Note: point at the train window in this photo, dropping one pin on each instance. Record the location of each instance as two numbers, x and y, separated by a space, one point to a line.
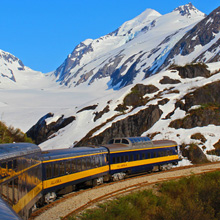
96 161
122 159
3 170
9 164
11 191
137 156
126 158
48 171
106 158
68 167
131 157
118 159
15 165
143 156
56 169
92 161
88 163
5 190
83 163
124 141
111 141
62 168
155 154
117 141
15 190
101 159
73 166
113 160
169 152
3 165
78 162
148 155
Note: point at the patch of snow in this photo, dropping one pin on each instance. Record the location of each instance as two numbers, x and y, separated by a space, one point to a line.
195 107
52 119
184 162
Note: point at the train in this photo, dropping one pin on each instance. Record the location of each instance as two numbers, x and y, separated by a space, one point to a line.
30 177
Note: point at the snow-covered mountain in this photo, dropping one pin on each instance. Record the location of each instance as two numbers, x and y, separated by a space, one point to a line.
13 74
132 52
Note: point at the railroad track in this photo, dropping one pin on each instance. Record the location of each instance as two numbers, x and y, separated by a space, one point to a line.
76 202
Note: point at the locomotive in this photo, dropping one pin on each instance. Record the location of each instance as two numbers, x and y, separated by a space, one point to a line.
29 176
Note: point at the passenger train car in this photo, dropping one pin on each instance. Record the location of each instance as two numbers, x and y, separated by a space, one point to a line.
65 169
29 176
20 176
137 154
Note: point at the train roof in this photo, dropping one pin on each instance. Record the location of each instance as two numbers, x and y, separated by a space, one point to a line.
164 143
6 212
17 149
133 143
71 152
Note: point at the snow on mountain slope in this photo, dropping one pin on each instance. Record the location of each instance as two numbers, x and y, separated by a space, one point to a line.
200 44
170 92
25 94
133 50
94 50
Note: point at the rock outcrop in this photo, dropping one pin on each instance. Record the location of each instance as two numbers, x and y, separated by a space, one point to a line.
207 97
42 131
133 125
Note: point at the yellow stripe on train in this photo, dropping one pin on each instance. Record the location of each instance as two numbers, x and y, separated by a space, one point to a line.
75 176
73 157
27 198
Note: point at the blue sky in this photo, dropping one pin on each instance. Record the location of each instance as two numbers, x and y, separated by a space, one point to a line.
43 32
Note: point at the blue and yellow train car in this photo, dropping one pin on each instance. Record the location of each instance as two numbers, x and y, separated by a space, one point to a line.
138 154
20 176
64 169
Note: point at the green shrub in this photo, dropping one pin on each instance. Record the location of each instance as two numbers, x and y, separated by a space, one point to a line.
10 134
194 197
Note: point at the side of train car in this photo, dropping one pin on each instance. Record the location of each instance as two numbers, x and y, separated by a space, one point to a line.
138 154
65 169
36 176
20 176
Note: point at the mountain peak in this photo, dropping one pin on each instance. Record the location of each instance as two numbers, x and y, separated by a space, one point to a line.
188 10
9 58
144 18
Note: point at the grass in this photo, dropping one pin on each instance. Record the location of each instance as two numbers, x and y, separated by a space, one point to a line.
194 197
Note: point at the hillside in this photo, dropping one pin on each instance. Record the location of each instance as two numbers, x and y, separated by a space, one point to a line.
181 104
